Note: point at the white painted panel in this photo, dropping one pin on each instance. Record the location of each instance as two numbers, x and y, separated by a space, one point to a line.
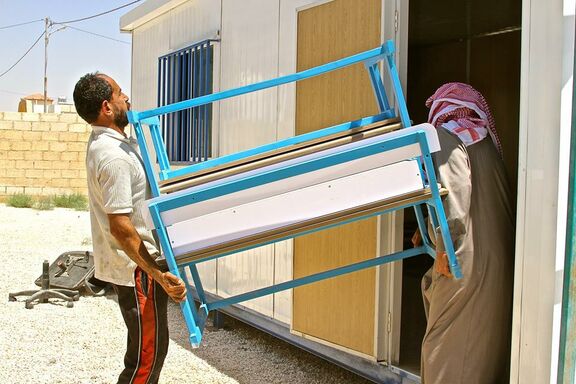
149 10
148 43
282 273
247 271
194 21
278 211
545 95
184 25
249 54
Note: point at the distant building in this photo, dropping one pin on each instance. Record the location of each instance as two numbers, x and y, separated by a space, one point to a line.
35 103
64 106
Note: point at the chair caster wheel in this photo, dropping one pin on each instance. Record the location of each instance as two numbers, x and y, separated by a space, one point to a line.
28 305
11 298
76 297
70 304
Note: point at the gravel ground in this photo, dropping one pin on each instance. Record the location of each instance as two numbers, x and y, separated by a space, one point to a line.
85 344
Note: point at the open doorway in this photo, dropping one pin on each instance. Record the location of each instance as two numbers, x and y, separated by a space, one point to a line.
471 41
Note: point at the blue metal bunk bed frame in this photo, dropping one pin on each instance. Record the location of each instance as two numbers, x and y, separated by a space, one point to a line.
195 318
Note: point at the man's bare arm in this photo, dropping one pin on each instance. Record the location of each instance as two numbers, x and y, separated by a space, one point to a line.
124 232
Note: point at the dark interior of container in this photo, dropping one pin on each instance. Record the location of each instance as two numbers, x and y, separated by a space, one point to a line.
475 42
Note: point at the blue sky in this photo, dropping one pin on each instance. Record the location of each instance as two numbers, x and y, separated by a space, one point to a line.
71 53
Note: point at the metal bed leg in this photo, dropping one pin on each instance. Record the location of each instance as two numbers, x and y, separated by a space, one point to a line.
440 215
193 319
203 309
202 313
197 283
393 72
422 226
378 87
194 322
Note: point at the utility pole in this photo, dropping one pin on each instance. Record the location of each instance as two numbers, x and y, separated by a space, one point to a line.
46 26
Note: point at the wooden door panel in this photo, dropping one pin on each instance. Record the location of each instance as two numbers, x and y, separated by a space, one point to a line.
339 310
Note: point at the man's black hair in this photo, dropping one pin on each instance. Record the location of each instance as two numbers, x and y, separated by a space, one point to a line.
89 93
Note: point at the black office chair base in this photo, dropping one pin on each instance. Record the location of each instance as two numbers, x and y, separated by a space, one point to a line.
42 295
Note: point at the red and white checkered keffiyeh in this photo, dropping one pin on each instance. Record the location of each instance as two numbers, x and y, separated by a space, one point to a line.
462 110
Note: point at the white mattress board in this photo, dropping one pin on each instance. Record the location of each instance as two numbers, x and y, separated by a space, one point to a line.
257 193
295 206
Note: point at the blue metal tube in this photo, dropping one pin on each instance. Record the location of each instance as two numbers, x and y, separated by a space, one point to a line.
198 318
378 87
158 143
316 277
188 310
422 225
197 282
146 159
393 72
265 84
438 207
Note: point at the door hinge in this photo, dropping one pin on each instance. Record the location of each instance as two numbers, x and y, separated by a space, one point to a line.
396 21
389 325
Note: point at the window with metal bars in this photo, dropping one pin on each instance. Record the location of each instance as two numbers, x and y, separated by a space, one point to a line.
183 75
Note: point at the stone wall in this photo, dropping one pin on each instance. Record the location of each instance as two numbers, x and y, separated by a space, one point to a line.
42 154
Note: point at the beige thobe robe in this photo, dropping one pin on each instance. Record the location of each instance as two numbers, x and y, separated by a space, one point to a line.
467 339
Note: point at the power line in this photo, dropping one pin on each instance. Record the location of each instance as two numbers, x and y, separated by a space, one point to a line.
20 59
97 34
17 25
100 14
12 92
47 33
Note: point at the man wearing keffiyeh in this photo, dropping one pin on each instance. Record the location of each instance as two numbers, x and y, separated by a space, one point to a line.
467 337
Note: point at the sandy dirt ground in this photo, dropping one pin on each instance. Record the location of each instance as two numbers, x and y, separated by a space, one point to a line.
85 344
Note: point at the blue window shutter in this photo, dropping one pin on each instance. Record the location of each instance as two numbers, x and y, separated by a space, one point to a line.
182 75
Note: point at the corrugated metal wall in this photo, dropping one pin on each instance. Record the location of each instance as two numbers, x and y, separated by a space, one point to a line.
248 53
191 22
